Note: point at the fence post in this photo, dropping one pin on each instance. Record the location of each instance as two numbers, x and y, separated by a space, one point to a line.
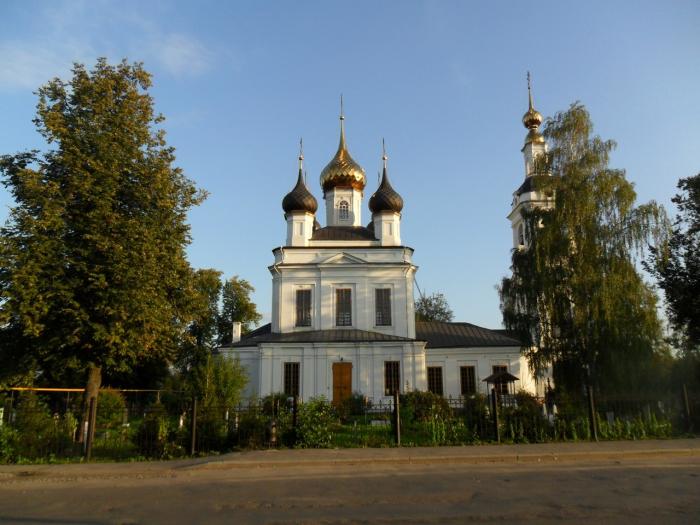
193 430
592 418
295 410
92 419
686 409
397 419
494 411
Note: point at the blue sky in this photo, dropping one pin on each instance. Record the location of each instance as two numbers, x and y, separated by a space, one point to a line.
442 82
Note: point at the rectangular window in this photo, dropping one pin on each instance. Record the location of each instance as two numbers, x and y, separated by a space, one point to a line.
343 307
435 380
502 387
382 299
291 379
303 308
467 380
392 379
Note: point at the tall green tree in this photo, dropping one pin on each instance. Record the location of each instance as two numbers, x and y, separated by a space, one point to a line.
237 306
433 308
215 380
676 265
202 333
575 296
93 269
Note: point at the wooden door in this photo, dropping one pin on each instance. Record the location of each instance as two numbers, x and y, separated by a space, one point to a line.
342 381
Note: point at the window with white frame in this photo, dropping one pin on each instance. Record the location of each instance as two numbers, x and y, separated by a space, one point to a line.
521 235
291 379
467 380
382 302
343 307
303 307
392 379
343 210
435 380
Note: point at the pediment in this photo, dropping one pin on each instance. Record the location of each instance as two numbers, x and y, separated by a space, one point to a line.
343 258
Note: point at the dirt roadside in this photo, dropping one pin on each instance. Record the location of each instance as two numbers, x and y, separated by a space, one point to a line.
546 453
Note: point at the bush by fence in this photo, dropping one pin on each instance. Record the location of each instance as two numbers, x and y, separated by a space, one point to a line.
36 427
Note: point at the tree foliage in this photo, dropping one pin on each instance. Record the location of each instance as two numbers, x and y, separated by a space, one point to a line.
93 268
218 382
216 305
433 308
575 296
237 306
200 338
676 265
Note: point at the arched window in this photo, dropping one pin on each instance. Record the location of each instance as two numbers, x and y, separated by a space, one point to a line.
521 235
343 211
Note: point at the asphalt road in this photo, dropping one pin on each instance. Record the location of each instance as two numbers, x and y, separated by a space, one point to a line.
658 490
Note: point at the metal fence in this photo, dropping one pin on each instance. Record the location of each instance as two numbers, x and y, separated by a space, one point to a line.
165 424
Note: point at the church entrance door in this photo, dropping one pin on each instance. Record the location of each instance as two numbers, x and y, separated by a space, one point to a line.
342 381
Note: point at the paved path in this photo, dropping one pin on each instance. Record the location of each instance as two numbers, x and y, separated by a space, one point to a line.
632 482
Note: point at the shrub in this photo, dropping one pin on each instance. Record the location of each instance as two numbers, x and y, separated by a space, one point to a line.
153 433
354 405
476 409
276 403
423 407
35 425
212 430
252 429
9 444
314 423
111 408
524 423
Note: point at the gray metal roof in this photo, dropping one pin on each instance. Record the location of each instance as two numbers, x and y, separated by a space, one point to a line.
455 335
530 184
434 333
265 335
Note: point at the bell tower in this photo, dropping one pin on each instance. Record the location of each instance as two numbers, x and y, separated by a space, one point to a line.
526 195
343 181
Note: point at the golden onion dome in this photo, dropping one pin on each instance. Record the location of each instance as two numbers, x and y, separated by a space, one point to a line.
342 171
532 119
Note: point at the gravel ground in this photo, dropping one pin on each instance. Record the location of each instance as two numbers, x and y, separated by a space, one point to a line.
279 488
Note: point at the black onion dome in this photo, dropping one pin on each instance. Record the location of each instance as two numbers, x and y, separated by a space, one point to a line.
385 198
300 198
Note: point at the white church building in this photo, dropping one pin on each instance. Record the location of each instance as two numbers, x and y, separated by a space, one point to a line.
343 317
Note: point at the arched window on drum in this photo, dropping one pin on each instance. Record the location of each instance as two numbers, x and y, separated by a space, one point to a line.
343 211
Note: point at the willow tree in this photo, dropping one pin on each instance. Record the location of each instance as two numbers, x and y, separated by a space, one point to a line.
575 296
94 275
677 266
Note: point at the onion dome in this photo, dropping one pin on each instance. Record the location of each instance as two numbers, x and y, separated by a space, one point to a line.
385 198
300 198
532 119
342 171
